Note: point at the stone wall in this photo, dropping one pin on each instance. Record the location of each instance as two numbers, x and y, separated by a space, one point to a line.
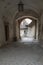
2 33
8 8
41 26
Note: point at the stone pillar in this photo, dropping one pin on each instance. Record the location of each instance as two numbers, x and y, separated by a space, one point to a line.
40 25
41 31
17 30
35 28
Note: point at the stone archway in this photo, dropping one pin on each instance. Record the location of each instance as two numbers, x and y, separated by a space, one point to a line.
28 29
18 27
22 15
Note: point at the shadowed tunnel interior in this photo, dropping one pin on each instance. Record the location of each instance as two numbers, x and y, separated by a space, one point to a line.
21 32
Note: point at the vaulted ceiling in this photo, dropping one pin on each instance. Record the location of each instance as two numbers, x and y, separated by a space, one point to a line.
10 6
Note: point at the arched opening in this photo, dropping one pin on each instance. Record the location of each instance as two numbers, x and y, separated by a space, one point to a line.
27 29
32 28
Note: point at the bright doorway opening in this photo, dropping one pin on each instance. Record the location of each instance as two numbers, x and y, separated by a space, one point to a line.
27 29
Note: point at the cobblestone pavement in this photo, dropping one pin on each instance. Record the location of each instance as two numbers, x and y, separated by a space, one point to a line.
26 55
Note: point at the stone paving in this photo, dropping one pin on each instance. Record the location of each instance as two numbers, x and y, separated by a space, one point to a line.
26 55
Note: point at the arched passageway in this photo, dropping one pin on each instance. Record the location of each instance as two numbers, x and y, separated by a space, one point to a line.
27 29
31 30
